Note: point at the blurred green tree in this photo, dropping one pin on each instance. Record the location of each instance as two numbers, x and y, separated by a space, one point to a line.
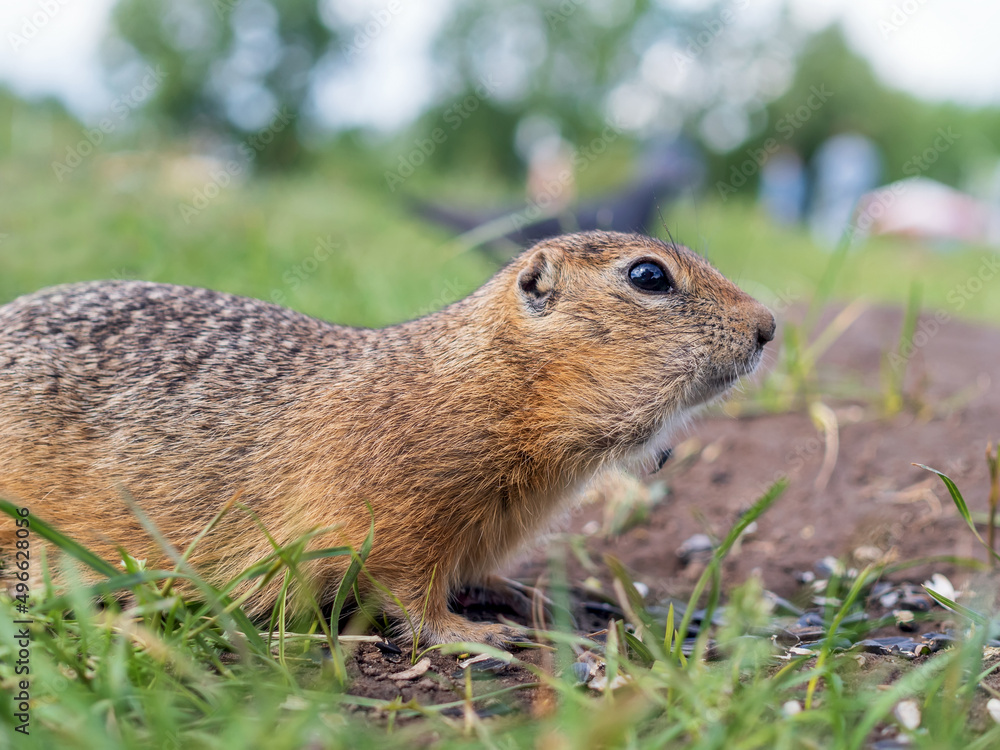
657 69
232 68
855 99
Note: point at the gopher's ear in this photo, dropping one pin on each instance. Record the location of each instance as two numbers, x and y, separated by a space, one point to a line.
536 282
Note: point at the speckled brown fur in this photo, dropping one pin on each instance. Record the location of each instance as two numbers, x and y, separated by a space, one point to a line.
464 430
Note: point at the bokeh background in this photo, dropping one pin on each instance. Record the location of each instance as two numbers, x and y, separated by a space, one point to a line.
372 160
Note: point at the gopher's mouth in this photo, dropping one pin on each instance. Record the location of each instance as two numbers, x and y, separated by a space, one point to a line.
715 385
716 382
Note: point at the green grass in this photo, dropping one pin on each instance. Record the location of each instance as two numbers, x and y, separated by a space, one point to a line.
110 220
154 677
259 239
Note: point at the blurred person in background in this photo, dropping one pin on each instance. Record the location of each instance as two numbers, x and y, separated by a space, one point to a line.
783 185
845 167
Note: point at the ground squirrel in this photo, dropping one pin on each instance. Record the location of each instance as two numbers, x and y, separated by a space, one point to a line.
465 430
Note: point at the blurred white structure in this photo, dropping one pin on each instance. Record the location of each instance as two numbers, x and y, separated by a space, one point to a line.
923 208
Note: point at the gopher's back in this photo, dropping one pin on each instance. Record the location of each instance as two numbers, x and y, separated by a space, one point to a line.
173 392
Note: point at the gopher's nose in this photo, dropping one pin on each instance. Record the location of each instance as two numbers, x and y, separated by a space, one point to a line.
765 327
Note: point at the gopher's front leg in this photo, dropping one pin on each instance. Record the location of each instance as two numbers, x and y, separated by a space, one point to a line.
429 620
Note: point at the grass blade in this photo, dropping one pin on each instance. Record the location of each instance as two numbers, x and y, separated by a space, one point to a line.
963 509
957 608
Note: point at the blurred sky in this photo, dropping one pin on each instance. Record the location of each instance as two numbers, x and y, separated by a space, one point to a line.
937 50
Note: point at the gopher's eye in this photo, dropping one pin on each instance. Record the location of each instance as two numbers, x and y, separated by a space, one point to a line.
649 277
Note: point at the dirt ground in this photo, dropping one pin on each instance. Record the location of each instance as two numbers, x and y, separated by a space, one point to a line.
873 505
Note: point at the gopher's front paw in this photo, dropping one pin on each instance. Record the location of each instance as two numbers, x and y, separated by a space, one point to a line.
501 636
455 629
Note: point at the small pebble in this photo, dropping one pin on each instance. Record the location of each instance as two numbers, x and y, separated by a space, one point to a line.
699 547
590 528
790 708
905 620
600 683
830 566
480 666
809 634
826 601
581 672
993 707
642 588
915 603
893 743
810 619
889 600
868 554
907 713
939 641
781 604
295 703
897 645
882 587
481 663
